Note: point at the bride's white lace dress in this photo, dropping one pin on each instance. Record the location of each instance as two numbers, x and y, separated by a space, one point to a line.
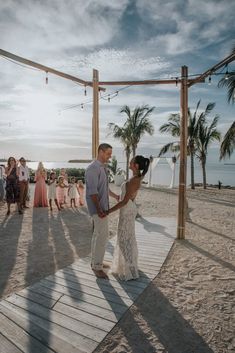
125 259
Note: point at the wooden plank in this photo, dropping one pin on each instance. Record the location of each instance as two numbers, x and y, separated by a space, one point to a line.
106 286
38 298
18 336
111 298
7 346
141 283
91 308
116 308
91 278
87 307
56 337
77 326
46 292
92 320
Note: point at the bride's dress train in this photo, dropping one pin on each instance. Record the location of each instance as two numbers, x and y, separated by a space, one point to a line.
125 258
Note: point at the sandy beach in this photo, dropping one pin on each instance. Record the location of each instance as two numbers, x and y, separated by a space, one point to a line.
189 306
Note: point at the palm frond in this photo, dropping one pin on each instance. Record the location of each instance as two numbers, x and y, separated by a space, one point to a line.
228 143
172 146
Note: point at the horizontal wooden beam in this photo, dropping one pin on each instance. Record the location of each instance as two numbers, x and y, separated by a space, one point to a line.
46 69
136 83
213 69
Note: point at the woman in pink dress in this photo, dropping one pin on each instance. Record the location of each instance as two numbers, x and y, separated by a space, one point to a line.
40 193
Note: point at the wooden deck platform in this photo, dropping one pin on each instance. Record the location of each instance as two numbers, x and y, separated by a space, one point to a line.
72 310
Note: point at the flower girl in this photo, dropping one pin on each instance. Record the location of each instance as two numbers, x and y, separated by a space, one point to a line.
52 190
73 192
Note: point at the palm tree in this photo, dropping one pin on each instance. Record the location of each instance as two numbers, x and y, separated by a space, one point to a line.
206 135
124 135
229 81
173 127
138 123
228 143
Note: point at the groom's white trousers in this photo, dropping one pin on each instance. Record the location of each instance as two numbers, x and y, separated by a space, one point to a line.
99 241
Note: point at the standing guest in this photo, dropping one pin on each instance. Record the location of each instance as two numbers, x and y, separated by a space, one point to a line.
2 182
97 198
73 192
23 172
60 191
40 192
12 185
52 190
81 189
64 174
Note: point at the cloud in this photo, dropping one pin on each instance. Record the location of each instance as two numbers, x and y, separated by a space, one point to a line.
58 25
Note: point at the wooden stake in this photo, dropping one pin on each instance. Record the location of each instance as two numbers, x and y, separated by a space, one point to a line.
95 118
183 153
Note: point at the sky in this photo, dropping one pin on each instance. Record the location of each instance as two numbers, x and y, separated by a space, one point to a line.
124 40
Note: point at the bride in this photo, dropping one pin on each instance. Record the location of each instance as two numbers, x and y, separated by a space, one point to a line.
125 259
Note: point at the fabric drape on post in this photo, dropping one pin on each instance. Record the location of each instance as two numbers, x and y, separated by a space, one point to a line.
172 166
153 164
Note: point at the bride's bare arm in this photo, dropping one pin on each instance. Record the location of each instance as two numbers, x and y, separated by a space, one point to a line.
131 188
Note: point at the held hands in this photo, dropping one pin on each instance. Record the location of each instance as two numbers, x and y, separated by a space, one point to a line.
101 213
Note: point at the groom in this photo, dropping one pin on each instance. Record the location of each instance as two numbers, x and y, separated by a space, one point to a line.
97 198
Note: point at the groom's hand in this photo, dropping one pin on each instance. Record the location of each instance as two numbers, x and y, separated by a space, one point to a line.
101 213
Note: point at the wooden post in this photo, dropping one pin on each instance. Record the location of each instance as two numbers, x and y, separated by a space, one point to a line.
183 153
95 118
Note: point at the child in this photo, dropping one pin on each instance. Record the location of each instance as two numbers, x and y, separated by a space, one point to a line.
73 192
80 187
60 191
64 174
52 190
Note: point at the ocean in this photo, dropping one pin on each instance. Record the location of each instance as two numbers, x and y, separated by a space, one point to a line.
161 175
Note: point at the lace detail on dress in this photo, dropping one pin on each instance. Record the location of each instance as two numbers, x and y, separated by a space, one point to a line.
125 259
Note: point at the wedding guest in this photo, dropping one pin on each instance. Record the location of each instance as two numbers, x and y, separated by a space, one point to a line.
23 172
81 190
73 192
40 192
52 190
60 191
2 182
64 174
12 185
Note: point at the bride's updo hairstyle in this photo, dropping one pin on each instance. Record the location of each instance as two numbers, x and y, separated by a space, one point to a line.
143 164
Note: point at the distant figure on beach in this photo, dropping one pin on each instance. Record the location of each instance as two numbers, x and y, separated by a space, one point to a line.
23 172
52 190
12 185
97 198
125 258
40 192
81 189
73 192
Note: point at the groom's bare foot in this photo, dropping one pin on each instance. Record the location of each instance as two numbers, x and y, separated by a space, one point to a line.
100 274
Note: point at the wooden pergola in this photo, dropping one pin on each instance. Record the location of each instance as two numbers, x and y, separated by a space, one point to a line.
185 84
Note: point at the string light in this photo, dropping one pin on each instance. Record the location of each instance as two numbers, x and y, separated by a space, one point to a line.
209 80
82 106
226 73
176 81
109 98
85 93
46 77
